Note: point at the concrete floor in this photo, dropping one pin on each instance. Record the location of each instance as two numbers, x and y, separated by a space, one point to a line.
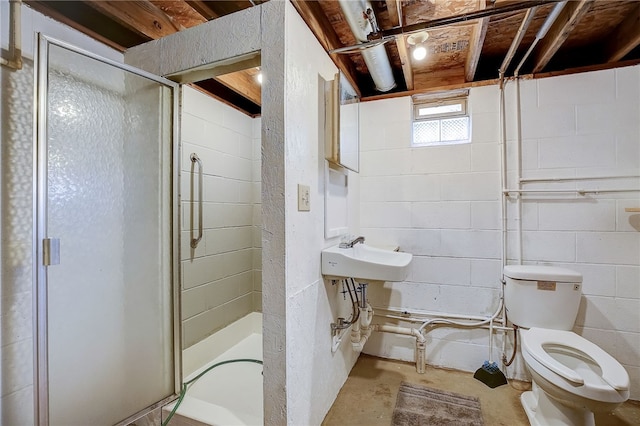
369 395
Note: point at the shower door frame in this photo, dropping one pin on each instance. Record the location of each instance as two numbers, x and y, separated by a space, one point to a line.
40 204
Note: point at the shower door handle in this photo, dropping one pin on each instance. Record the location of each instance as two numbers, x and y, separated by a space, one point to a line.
50 251
195 241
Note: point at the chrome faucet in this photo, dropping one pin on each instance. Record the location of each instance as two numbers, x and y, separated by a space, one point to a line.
352 242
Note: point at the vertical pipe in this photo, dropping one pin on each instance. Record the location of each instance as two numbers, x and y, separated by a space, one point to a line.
15 36
517 39
503 176
363 294
518 156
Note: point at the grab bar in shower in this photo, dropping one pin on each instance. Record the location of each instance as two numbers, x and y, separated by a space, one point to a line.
195 159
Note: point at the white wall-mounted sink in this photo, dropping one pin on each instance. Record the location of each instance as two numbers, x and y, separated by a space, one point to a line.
365 263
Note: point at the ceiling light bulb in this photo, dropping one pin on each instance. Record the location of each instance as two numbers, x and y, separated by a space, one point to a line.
259 77
419 53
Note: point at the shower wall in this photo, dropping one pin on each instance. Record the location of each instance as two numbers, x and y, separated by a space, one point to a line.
221 277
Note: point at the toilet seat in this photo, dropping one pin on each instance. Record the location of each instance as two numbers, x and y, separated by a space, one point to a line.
613 373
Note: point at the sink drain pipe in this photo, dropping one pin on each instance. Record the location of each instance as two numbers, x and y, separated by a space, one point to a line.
440 319
421 342
362 329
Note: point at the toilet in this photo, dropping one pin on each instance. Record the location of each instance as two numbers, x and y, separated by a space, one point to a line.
571 377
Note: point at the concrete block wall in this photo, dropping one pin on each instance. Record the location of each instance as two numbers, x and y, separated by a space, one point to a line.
314 374
442 204
218 276
586 126
257 212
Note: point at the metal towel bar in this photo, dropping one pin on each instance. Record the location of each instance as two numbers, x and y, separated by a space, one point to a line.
195 159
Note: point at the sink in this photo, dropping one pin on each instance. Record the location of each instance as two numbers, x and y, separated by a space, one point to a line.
365 263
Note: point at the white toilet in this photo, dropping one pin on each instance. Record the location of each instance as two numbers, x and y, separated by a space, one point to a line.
571 377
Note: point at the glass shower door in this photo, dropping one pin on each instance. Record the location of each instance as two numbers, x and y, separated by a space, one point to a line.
106 239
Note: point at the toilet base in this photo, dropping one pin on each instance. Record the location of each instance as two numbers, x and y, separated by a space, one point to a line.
542 410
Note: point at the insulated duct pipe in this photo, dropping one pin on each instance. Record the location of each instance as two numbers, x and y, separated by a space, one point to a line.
15 37
375 57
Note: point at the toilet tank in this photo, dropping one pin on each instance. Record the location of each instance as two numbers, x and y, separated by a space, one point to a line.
542 296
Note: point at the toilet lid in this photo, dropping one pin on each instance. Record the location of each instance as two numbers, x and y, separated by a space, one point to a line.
613 373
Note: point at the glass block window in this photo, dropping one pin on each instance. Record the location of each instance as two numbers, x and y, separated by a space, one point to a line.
443 122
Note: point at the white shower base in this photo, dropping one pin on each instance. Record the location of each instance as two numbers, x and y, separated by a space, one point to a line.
230 394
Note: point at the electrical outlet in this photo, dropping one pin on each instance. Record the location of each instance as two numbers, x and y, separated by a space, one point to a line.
304 204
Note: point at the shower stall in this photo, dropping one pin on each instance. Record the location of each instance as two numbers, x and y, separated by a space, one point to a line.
221 260
147 239
105 240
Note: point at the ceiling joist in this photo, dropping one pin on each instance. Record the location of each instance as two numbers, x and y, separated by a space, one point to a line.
204 8
475 45
468 42
140 16
312 13
181 12
405 60
625 38
571 14
244 83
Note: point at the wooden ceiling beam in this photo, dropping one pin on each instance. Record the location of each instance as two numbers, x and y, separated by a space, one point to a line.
571 14
225 7
180 12
85 19
203 8
312 13
625 38
214 9
405 60
244 83
392 10
140 16
475 45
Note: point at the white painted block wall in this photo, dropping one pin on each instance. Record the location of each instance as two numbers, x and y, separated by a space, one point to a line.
218 276
314 374
442 204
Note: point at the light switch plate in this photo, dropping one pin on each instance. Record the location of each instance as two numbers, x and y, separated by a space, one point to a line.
304 202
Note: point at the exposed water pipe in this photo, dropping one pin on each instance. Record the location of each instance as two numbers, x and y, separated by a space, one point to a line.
542 32
15 36
414 313
503 150
361 330
440 318
572 178
421 342
524 25
358 17
463 324
518 145
416 320
503 181
518 149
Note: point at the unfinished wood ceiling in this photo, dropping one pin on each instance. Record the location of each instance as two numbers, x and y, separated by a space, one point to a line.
469 42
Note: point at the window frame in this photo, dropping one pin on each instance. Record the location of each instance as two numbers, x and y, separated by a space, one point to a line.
439 117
